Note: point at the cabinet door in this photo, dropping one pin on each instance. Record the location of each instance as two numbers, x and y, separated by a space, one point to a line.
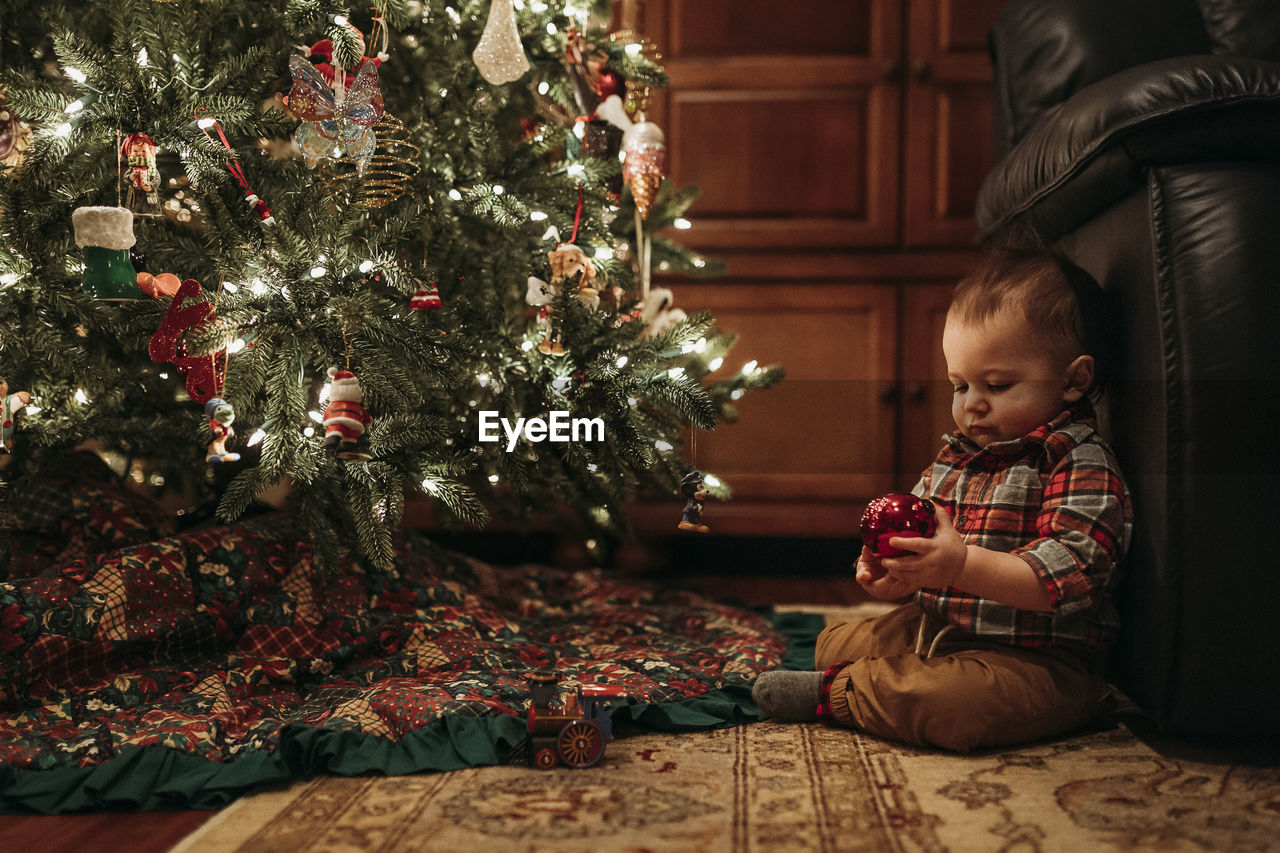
925 391
948 118
785 115
806 450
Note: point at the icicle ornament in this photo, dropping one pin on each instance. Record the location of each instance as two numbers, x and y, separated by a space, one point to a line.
500 55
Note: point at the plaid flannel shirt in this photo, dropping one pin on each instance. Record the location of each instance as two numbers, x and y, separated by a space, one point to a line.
1056 499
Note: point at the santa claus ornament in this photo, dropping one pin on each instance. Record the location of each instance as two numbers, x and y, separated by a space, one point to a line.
345 418
893 515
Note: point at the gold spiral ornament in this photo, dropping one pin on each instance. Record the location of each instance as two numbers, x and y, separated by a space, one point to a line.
395 161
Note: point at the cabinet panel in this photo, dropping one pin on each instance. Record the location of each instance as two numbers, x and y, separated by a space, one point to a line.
948 119
825 432
738 27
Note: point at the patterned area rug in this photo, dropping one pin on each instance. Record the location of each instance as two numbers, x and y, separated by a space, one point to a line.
766 786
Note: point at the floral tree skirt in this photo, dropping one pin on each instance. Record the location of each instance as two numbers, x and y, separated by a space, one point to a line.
181 671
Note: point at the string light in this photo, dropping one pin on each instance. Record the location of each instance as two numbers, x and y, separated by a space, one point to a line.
621 362
662 445
75 74
366 266
257 437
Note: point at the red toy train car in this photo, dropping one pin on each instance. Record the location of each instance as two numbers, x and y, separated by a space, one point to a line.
569 728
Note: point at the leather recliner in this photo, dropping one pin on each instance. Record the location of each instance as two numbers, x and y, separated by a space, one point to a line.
1142 137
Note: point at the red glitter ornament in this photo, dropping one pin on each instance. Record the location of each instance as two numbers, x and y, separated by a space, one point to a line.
893 515
204 373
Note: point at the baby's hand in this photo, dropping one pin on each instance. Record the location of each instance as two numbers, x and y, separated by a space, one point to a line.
872 577
934 561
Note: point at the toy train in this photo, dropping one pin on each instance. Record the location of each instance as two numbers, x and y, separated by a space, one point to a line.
568 728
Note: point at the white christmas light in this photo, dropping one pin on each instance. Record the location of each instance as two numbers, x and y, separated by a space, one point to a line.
715 364
701 345
235 346
230 287
455 195
498 189
604 253
682 223
544 87
537 216
81 397
579 130
711 480
621 362
317 272
493 478
257 437
206 123
526 346
736 394
309 431
63 129
430 487
143 58
75 74
8 278
340 20
750 366
316 416
577 170
551 29
483 379
699 263
32 410
74 107
662 445
365 266
676 373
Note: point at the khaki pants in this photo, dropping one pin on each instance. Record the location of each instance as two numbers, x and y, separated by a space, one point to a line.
970 693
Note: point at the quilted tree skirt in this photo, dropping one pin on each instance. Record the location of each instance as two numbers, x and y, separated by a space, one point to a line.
183 671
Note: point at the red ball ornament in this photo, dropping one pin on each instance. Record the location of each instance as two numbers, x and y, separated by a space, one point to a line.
893 515
608 84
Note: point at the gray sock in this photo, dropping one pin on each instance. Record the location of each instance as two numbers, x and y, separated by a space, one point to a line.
788 696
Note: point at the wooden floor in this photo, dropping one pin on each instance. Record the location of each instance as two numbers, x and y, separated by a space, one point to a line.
157 832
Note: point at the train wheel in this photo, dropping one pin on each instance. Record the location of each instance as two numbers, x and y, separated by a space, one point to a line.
580 744
545 758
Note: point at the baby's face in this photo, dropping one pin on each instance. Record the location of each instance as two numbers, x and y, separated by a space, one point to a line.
1006 383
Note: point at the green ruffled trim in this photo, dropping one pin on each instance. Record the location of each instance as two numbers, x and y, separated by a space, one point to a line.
154 777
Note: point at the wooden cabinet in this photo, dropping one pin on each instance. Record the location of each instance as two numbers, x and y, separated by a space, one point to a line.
839 146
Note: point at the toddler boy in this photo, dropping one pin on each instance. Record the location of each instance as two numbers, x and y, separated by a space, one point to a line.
1005 637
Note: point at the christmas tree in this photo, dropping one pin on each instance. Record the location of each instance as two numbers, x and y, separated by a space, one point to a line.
306 243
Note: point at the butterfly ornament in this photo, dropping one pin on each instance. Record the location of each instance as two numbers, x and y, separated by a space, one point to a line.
335 123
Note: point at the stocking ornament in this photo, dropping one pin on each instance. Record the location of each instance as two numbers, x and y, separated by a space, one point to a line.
500 55
105 235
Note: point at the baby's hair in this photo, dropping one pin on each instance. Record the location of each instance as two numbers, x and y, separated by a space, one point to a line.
1063 305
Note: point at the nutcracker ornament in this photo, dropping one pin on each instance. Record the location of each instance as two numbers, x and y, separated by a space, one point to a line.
345 418
105 234
896 514
142 175
693 487
221 416
12 404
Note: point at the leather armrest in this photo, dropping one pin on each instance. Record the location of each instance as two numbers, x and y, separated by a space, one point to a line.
1088 151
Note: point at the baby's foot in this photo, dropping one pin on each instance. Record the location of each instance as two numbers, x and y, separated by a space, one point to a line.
788 696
